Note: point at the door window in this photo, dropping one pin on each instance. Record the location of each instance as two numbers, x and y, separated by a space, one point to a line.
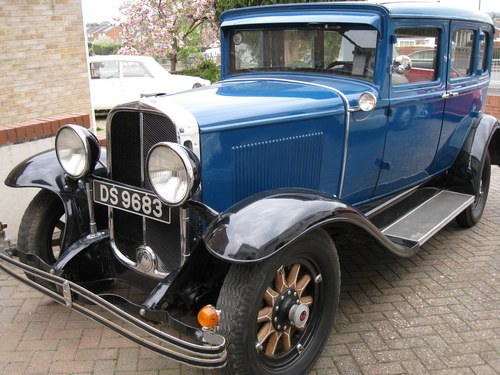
483 58
415 55
134 69
104 70
462 52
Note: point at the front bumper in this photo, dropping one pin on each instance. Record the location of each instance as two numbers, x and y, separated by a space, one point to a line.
210 354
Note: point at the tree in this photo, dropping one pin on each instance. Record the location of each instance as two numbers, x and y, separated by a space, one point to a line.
164 28
223 5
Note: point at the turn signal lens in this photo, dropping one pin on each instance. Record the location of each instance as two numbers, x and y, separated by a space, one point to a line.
208 317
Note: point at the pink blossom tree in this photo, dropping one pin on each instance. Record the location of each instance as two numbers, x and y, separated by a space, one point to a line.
166 28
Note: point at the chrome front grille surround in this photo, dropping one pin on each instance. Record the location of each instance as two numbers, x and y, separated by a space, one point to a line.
131 134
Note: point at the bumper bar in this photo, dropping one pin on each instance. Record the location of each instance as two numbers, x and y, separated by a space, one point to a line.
211 355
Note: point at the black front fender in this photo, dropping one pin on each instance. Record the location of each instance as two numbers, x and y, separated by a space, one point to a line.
44 171
263 224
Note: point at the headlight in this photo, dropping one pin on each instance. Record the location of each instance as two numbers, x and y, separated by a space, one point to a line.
77 150
174 172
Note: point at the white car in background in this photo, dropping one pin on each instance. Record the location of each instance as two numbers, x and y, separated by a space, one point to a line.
117 79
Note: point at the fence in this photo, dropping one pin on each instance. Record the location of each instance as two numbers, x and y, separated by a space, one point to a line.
495 71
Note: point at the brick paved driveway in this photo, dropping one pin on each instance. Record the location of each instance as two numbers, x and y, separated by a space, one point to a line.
436 313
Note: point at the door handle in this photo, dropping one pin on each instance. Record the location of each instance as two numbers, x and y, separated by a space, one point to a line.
450 94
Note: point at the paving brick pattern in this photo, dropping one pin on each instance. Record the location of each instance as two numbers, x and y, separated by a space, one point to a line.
435 313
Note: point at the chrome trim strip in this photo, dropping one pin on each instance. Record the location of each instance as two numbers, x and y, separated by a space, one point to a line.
206 356
120 256
188 130
343 97
184 223
143 177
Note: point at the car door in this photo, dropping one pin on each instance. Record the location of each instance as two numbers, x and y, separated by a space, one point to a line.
105 85
466 89
137 80
415 113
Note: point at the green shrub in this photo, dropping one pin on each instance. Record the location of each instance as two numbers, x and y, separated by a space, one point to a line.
206 70
105 48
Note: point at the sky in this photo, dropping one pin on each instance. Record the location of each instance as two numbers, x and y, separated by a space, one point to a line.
106 10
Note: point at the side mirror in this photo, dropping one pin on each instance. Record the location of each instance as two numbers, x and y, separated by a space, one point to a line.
401 65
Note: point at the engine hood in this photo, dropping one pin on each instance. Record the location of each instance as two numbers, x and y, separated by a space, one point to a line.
256 100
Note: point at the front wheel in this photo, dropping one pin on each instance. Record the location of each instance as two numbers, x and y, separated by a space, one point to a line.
41 229
277 314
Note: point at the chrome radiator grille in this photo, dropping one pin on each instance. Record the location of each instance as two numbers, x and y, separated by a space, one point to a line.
131 136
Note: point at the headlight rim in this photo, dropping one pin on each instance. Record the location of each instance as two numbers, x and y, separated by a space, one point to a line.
191 165
367 96
90 146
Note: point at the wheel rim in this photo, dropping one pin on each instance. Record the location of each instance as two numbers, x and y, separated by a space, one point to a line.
56 238
287 303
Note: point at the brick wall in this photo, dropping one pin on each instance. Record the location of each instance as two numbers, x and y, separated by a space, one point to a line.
43 68
493 106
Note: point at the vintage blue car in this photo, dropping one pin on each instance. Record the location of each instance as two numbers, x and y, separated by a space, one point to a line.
222 209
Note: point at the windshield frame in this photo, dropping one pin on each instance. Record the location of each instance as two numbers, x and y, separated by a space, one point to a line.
327 41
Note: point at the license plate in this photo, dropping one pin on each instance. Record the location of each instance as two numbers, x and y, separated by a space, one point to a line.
131 200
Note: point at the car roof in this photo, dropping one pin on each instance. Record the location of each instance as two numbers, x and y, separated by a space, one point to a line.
431 9
351 11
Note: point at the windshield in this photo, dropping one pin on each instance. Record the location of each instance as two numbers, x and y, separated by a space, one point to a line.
347 50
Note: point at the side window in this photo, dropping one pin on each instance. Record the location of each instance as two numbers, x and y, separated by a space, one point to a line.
415 55
134 69
483 58
461 54
104 70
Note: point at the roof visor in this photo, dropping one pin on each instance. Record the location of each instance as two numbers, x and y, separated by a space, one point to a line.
371 19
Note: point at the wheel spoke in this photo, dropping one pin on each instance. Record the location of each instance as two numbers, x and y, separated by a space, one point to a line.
60 225
286 339
266 330
280 281
271 296
302 283
56 242
293 275
272 343
265 314
308 300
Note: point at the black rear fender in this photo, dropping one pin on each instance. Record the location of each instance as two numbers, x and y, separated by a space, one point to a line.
484 137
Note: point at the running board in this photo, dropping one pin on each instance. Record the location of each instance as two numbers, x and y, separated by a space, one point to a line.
425 220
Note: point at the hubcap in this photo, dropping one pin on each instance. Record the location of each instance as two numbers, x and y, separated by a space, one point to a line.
285 311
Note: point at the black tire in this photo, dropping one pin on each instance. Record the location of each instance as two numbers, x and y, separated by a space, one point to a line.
251 323
42 229
471 215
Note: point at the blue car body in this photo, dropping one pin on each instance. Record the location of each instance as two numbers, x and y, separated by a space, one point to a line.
333 123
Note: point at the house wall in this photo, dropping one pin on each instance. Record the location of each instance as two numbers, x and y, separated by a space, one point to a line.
43 64
493 106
